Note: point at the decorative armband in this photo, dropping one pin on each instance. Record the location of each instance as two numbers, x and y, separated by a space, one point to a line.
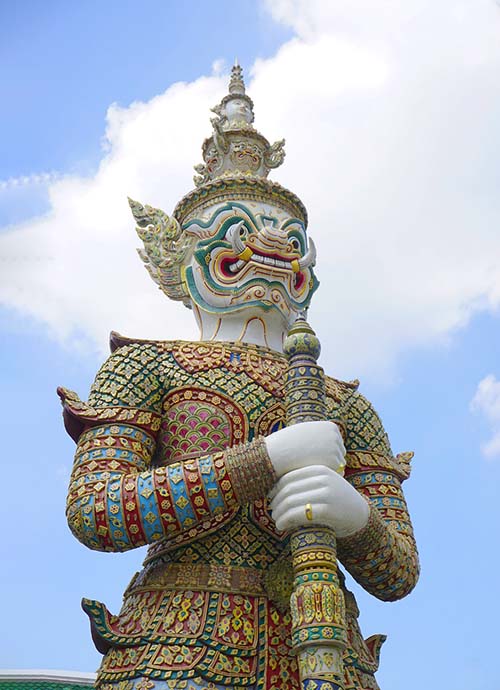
251 470
368 539
383 490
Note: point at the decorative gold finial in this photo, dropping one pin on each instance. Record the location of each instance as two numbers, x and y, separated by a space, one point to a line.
236 83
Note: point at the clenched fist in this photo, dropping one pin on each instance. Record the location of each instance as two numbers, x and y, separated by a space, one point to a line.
302 445
317 495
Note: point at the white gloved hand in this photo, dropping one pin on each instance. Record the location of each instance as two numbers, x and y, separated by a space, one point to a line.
323 493
309 443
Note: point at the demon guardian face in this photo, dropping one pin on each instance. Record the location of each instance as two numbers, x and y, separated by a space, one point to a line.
250 257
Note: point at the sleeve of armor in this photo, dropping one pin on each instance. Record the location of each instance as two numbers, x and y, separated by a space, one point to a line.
117 501
382 556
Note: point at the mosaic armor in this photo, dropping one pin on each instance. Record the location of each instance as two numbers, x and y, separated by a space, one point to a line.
171 450
152 466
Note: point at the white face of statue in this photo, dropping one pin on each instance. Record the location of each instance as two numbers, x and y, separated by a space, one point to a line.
237 110
252 258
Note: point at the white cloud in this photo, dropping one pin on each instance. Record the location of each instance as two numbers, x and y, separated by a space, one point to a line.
487 402
390 112
27 181
76 268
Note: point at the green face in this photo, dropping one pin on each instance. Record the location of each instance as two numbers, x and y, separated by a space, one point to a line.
251 256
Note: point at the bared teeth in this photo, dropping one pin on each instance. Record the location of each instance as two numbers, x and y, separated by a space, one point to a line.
270 261
257 258
236 267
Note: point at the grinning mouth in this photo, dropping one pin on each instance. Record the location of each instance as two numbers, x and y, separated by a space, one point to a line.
231 266
271 259
245 253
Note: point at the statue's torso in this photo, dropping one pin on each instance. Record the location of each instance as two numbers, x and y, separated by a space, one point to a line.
212 601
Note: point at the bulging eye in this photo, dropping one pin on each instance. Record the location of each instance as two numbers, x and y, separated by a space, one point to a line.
243 232
295 244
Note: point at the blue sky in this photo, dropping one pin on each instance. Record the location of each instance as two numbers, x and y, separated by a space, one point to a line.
390 115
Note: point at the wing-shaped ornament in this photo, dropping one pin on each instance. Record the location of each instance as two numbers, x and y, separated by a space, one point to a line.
166 247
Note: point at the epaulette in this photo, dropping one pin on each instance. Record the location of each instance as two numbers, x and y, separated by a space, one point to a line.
338 389
402 462
79 415
117 340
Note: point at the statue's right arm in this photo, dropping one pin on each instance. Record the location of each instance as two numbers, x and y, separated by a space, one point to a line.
117 501
382 556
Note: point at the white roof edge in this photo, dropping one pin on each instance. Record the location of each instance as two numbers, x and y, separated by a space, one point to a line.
44 674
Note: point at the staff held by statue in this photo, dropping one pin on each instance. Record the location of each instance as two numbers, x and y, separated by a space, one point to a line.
317 601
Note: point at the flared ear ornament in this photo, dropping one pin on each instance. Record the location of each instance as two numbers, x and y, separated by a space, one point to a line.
166 249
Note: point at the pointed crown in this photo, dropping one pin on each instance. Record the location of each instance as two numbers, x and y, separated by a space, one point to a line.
237 159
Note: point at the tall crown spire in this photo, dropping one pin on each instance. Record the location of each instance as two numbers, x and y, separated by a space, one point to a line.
237 159
236 148
236 83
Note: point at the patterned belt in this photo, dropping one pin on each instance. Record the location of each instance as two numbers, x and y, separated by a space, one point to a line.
199 576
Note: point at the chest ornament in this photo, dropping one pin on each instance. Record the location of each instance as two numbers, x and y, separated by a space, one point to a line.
263 366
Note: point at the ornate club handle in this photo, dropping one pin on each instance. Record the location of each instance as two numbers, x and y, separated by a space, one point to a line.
317 602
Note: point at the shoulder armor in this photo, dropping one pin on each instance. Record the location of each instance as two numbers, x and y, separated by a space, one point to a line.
117 340
372 461
78 415
135 375
129 387
402 462
338 389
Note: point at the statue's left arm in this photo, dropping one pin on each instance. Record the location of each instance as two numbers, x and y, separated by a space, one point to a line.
382 556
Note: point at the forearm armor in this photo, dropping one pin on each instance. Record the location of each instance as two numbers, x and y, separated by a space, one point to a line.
382 556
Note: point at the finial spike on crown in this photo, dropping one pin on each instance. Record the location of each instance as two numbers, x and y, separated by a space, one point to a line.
236 149
236 83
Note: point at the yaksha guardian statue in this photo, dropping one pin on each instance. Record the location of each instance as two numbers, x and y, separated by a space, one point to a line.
193 448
